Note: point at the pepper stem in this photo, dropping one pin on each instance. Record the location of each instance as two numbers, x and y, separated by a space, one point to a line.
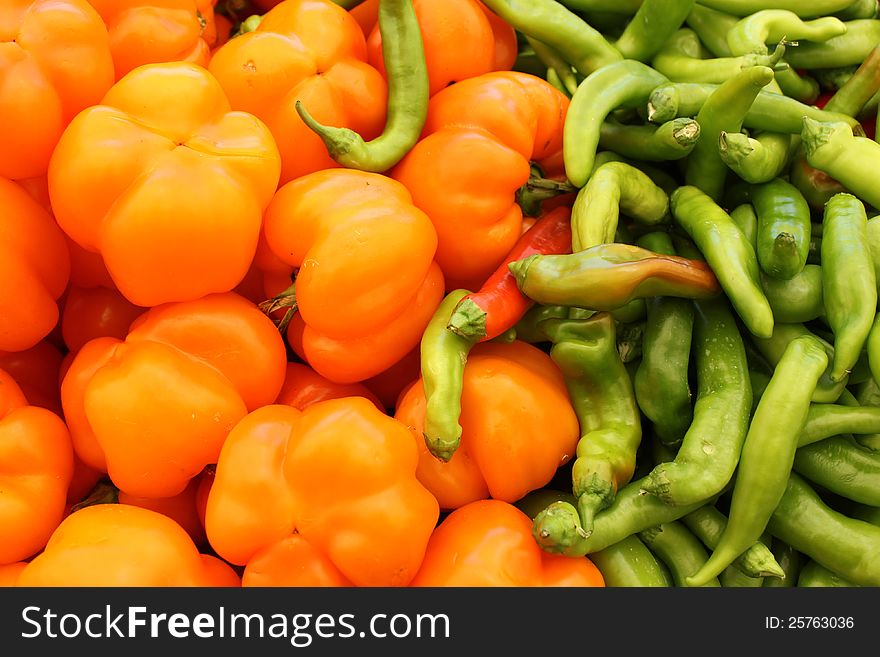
537 190
285 299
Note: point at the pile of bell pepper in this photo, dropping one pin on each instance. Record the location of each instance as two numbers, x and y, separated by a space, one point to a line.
439 293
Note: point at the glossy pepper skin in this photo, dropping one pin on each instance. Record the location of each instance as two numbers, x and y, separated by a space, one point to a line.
312 51
340 473
36 466
366 282
97 545
153 410
291 561
152 31
511 393
479 138
56 55
34 267
489 543
163 176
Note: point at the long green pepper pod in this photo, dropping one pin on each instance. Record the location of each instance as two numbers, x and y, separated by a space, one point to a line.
404 56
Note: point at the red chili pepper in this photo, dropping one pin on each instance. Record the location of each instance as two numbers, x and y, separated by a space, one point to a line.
499 304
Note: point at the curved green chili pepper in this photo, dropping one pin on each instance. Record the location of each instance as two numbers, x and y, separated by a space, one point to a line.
708 523
537 500
623 84
672 140
733 577
833 148
443 358
661 381
652 25
844 545
800 7
859 88
723 111
798 299
601 392
404 57
768 451
859 9
852 47
614 187
789 561
873 228
557 64
567 33
747 221
710 449
849 286
679 549
814 575
712 27
608 276
529 327
783 228
752 33
827 420
772 348
842 466
757 159
728 253
802 88
770 111
629 563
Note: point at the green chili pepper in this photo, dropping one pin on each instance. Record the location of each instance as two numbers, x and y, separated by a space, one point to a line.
404 57
672 140
614 187
827 420
844 545
852 47
529 327
623 84
711 447
873 228
608 276
747 221
678 549
538 500
858 9
602 394
839 464
814 575
733 577
832 79
728 253
630 563
768 451
802 88
783 228
867 393
661 382
789 560
756 159
708 524
772 112
798 299
859 88
723 111
622 7
752 33
555 63
680 60
652 25
849 286
800 7
443 358
552 24
712 27
772 348
831 147
660 176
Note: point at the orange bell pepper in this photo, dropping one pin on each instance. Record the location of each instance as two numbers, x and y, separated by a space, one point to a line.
218 573
36 371
181 508
82 483
390 384
36 465
119 545
303 387
95 312
340 473
55 61
153 31
513 393
490 543
153 410
9 573
34 268
462 22
367 283
474 154
163 177
308 50
291 561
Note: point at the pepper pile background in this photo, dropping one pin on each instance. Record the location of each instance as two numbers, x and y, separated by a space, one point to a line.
439 293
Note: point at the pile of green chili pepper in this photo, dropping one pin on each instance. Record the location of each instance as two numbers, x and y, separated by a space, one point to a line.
717 318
